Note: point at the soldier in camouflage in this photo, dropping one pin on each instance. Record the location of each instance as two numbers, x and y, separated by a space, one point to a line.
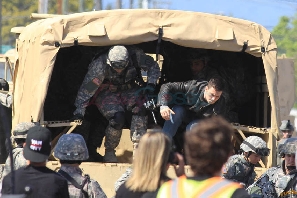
19 137
278 181
287 130
198 59
127 174
112 82
240 168
71 150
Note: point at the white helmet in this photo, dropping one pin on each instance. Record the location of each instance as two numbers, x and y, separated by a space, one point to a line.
255 144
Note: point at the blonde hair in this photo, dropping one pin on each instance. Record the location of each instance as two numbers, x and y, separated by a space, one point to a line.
150 162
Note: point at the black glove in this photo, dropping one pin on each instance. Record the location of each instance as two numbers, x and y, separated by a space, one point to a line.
149 89
77 117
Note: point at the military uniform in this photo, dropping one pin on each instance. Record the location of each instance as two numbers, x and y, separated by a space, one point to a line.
127 174
274 183
5 100
239 169
92 187
117 92
71 149
19 160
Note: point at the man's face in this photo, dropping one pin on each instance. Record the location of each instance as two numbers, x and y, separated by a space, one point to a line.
197 65
119 70
254 158
289 160
287 133
211 95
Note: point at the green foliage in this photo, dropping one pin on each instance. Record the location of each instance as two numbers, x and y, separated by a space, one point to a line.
285 35
17 13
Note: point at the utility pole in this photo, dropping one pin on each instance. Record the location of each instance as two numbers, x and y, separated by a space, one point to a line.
59 6
42 6
131 4
119 4
81 6
97 4
65 7
0 26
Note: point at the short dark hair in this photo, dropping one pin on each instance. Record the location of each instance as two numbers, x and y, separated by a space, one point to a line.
4 85
217 83
208 145
20 141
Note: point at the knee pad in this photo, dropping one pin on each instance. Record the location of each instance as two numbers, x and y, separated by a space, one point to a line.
118 120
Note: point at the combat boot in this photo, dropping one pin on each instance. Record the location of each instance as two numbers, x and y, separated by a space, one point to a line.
110 157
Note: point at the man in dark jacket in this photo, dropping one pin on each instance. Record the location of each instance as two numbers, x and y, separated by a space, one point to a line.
192 100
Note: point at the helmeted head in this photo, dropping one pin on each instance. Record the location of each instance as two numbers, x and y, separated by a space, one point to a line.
4 86
256 145
288 147
287 151
21 130
198 59
286 128
118 57
71 147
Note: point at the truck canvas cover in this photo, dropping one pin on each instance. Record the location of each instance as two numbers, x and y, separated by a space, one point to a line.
39 43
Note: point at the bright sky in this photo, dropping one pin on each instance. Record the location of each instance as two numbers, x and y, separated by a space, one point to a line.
264 12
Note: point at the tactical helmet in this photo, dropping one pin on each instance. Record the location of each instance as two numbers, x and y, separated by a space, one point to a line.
4 86
288 147
255 144
286 125
21 129
118 57
71 147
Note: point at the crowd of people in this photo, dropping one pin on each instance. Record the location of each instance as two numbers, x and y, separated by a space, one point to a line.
112 81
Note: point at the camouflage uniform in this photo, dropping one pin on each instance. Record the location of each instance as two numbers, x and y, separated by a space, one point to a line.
92 188
275 182
20 131
271 184
116 93
72 147
238 168
5 100
127 174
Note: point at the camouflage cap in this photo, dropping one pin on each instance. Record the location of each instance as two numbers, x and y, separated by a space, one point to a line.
21 129
286 125
256 145
71 147
118 57
288 147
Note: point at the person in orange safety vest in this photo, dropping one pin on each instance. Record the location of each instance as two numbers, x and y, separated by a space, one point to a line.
207 147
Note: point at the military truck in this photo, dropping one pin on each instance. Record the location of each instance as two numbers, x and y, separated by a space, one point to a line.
53 55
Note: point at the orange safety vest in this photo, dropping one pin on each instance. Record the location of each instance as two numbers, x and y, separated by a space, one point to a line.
215 187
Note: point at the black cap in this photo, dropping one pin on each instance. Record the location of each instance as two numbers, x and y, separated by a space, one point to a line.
38 144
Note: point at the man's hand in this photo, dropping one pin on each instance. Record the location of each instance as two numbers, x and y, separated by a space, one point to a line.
180 168
165 112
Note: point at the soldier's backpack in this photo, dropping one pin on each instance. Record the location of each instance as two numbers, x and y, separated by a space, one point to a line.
78 187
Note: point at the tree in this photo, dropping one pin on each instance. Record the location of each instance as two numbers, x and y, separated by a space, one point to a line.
285 35
17 13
